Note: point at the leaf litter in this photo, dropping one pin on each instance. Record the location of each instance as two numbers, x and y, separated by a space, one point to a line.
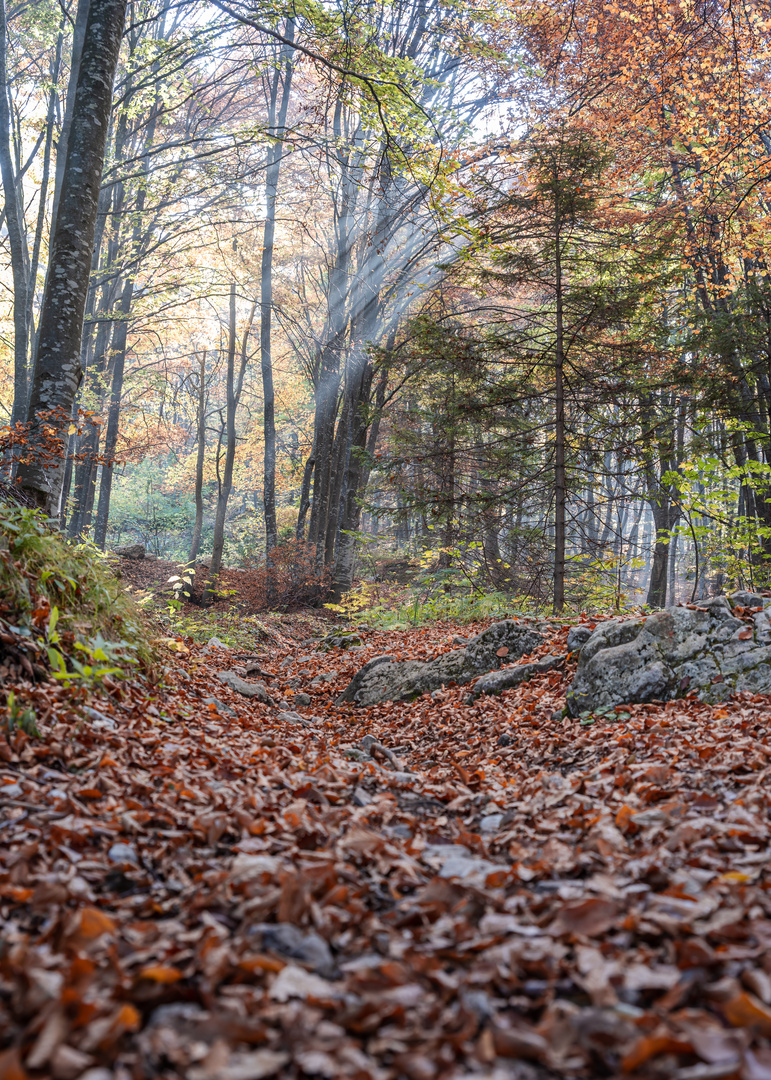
192 887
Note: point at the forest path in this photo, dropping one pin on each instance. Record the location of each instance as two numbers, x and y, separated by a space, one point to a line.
201 890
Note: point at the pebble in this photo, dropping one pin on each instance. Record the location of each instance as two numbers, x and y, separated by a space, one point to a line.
220 706
123 853
491 822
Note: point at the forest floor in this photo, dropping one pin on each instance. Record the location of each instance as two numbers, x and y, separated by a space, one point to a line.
192 887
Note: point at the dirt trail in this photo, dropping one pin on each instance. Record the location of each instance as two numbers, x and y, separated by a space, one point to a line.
194 888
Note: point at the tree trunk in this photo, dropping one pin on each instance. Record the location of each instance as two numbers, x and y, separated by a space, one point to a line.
85 473
233 393
201 431
560 487
58 372
14 220
276 125
113 417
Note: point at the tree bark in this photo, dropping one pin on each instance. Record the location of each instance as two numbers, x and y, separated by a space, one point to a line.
201 433
560 489
14 212
113 417
276 124
58 372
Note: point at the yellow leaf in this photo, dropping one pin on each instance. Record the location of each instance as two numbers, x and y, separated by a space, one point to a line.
747 1011
94 923
160 973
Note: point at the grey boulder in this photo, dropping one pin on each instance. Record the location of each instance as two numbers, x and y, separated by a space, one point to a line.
384 679
577 638
704 649
131 551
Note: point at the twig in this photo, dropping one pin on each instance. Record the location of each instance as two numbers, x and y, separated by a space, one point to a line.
371 746
25 805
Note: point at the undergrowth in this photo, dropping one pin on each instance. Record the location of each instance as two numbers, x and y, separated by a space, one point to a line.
66 595
409 607
231 626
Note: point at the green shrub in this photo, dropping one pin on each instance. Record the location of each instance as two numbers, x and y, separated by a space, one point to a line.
66 594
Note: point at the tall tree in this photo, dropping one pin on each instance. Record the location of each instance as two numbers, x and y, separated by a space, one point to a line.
57 371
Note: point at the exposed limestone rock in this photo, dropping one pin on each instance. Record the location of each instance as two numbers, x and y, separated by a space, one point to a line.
246 689
289 716
704 648
131 551
496 681
578 637
383 679
338 640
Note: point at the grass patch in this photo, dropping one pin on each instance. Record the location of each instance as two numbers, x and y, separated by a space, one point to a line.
404 608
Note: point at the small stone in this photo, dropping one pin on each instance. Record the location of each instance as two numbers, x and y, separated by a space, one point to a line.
360 797
339 641
220 706
302 699
491 822
100 720
325 677
504 740
306 946
290 717
123 853
215 643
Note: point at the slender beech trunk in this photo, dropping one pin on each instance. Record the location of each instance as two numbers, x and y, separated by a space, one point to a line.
201 452
58 372
226 480
44 181
305 495
233 387
673 571
85 473
113 416
277 124
14 221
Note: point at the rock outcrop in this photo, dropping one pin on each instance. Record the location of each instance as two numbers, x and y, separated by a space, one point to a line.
131 551
496 681
384 679
577 638
714 649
